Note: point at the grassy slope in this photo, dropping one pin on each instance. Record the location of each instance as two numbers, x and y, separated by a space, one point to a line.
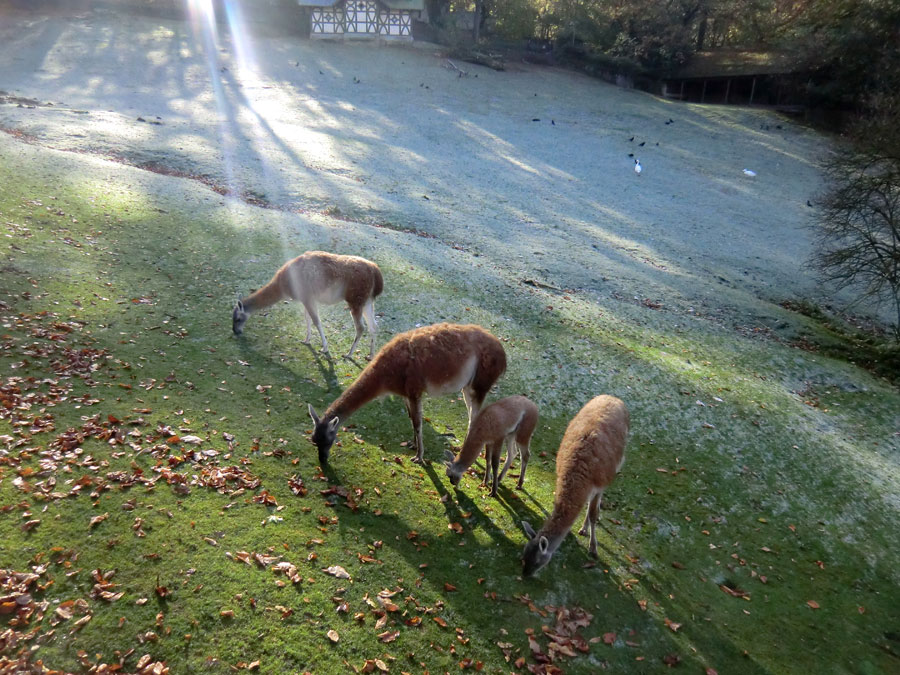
730 473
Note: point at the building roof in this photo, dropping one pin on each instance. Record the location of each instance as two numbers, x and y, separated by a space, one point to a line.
738 63
392 4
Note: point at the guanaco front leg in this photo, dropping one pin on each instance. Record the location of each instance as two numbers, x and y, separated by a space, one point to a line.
510 455
312 312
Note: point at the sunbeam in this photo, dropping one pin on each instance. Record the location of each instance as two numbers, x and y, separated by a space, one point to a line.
244 128
202 17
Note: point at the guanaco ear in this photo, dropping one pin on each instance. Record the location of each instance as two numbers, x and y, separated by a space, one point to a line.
333 424
529 530
312 413
543 544
449 456
240 305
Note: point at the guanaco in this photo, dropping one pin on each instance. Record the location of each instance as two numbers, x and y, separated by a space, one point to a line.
319 277
590 455
511 421
435 360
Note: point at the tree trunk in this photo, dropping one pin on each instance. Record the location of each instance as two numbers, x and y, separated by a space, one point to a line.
701 32
476 28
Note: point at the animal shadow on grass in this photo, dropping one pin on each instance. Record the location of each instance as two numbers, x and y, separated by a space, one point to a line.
324 364
464 504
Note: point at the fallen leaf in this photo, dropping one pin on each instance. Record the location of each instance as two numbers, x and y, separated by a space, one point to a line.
96 520
672 625
333 635
388 636
671 660
337 571
812 604
609 638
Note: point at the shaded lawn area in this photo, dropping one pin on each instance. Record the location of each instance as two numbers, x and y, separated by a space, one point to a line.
156 477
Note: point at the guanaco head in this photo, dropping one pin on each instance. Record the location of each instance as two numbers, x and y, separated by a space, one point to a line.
238 317
324 434
537 551
453 471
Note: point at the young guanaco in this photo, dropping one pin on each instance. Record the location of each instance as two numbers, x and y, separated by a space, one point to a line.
591 453
509 421
434 360
314 278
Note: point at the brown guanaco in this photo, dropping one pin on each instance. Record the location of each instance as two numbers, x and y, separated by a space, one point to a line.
509 421
434 360
314 278
590 455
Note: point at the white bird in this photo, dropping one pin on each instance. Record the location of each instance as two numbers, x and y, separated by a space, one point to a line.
637 167
749 172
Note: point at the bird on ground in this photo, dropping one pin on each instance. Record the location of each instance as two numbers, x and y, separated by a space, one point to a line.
637 167
631 154
641 144
749 172
809 203
631 139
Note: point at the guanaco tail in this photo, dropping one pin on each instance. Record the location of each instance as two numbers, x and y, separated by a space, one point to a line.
509 421
314 278
434 360
591 453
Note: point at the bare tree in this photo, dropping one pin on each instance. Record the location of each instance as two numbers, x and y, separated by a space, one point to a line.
857 233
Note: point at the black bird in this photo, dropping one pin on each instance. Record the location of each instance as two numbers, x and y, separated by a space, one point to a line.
671 121
641 144
553 122
809 203
631 139
631 154
535 119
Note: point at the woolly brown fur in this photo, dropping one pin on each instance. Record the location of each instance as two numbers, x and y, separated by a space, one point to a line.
431 357
320 277
513 416
589 456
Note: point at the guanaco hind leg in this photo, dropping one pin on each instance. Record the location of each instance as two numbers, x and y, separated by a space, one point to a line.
369 314
414 408
357 321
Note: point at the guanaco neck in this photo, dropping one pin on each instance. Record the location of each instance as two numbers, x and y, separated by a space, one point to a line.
475 441
367 387
266 296
561 520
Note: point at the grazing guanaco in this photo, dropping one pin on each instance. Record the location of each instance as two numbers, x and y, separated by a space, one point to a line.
591 453
319 277
435 360
511 421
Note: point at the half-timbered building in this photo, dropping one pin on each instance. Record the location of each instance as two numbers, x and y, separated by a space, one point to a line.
388 19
